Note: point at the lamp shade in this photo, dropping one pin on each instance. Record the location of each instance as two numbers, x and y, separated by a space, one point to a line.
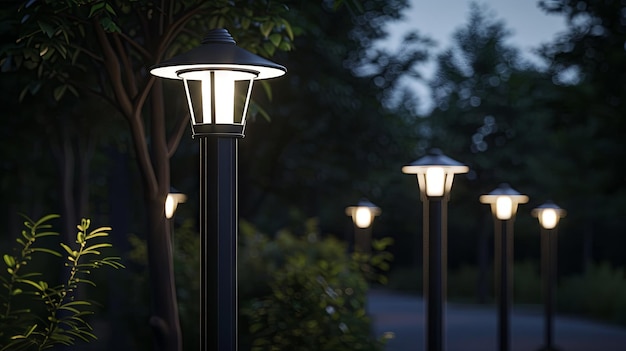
504 201
218 77
435 173
548 214
174 197
363 214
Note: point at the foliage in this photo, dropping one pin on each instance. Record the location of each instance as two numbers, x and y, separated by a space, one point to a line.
599 293
303 293
38 313
339 127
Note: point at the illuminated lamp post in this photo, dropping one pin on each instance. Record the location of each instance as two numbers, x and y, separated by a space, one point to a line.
174 197
363 215
549 215
217 78
435 173
504 201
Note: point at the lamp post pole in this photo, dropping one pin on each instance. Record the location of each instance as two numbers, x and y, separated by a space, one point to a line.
212 74
218 243
363 216
504 201
435 173
548 215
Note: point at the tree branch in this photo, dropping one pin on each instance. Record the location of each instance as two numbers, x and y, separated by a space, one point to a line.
142 51
111 64
174 139
127 66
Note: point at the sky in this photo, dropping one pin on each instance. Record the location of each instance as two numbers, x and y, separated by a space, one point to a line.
438 19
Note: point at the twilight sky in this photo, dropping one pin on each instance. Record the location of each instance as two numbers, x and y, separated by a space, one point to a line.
438 19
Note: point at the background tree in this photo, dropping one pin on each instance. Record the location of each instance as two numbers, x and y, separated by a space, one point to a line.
588 65
340 129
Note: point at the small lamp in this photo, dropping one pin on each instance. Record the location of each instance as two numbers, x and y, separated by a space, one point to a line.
363 213
174 197
548 214
435 173
504 201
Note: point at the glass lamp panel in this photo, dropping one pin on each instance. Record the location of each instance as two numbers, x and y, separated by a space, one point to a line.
362 217
170 206
435 181
548 218
203 101
504 208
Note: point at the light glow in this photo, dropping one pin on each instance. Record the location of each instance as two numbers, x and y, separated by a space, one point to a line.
548 218
504 208
224 98
363 217
435 181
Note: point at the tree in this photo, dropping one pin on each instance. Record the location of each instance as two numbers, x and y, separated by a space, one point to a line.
340 129
588 64
103 48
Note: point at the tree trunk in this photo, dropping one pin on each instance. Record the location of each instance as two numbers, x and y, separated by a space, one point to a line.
164 319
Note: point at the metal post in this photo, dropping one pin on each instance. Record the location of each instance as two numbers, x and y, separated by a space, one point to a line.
548 259
433 270
504 251
218 243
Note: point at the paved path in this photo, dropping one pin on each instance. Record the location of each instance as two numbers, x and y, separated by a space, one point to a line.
473 328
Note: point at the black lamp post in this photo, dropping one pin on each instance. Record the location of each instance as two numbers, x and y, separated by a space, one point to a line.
363 215
504 201
435 173
549 215
217 78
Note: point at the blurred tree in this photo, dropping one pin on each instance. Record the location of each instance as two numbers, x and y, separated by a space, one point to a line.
588 64
490 114
340 129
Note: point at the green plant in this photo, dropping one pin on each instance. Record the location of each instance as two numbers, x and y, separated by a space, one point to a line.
37 313
598 293
306 292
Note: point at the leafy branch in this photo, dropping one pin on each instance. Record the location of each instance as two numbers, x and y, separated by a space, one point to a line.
62 319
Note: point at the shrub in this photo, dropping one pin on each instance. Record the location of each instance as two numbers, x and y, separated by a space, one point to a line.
36 312
304 293
598 293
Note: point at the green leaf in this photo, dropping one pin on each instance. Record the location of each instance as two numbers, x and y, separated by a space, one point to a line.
266 28
46 28
95 8
9 260
276 38
59 92
41 249
67 249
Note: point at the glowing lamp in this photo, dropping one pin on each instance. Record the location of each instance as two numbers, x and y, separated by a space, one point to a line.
435 173
218 78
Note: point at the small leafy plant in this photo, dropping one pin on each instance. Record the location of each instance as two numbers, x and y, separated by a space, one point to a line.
38 313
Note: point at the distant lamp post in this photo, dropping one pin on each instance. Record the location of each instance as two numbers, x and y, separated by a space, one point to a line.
363 215
174 197
217 77
549 215
435 173
504 201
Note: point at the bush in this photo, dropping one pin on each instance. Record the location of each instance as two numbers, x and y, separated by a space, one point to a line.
598 293
304 293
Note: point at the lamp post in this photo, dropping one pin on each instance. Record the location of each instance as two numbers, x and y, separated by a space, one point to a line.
549 215
213 75
174 197
435 173
504 201
363 215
